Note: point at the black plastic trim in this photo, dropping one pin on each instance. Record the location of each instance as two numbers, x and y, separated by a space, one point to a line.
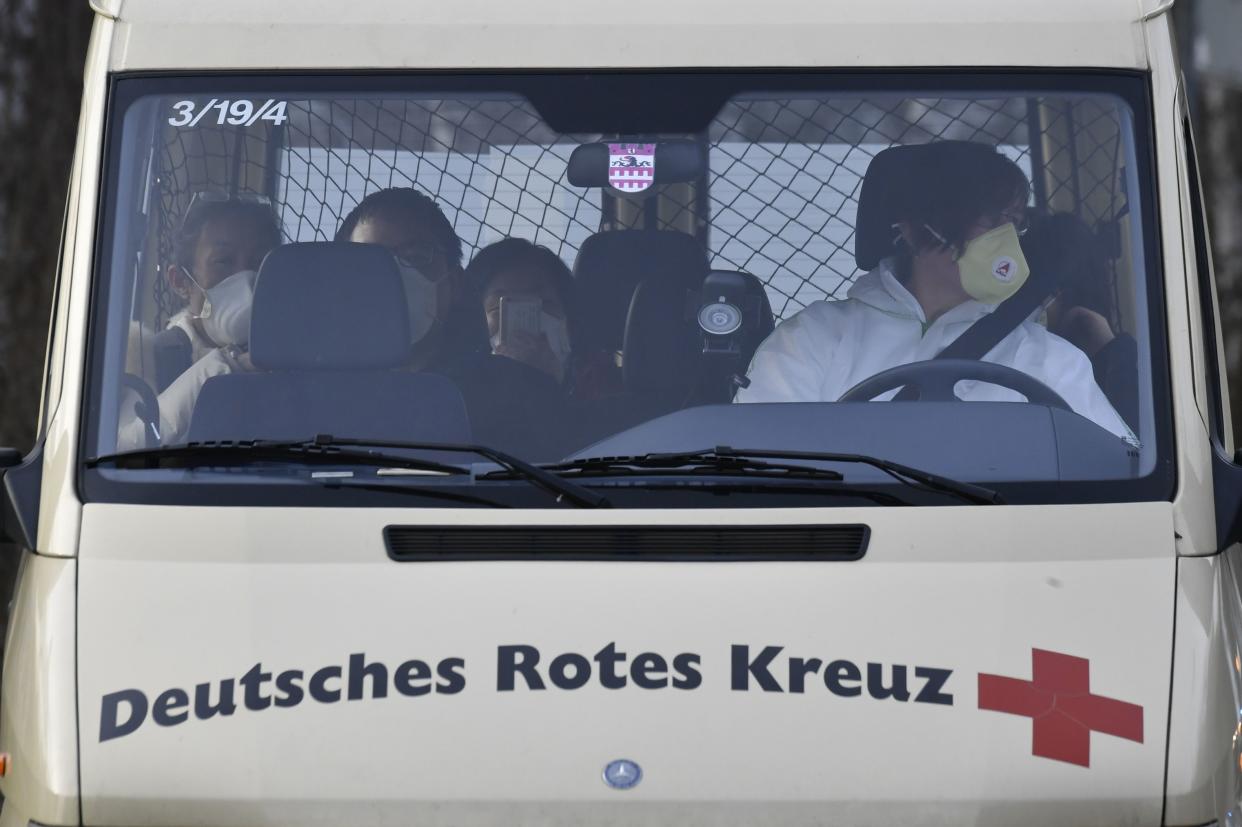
1226 474
641 543
23 485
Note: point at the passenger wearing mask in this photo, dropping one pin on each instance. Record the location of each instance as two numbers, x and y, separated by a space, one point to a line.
958 257
510 404
220 243
444 325
525 291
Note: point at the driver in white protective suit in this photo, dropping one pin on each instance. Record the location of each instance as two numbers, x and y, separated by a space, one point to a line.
957 258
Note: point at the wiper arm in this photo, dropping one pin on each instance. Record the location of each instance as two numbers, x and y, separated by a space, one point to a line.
325 449
737 459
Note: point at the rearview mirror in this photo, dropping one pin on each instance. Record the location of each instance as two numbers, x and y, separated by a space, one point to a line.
671 162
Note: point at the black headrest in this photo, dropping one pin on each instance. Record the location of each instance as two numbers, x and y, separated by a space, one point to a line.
661 347
1062 250
895 173
611 264
748 314
329 305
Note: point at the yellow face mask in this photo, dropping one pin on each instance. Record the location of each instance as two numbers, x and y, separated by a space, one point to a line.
992 266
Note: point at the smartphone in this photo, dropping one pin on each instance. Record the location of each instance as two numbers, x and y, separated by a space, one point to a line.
517 316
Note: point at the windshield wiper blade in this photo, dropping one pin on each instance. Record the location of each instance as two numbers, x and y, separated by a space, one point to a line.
246 452
326 449
563 489
739 458
763 485
713 463
902 473
411 490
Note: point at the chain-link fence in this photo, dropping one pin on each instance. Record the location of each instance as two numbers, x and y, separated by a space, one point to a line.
779 198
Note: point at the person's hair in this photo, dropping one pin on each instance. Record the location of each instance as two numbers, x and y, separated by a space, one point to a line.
519 254
418 207
190 232
960 182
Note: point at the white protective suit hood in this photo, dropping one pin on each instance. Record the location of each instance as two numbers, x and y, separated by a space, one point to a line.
829 347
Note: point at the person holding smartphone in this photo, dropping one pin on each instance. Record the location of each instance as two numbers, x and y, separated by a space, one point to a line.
526 291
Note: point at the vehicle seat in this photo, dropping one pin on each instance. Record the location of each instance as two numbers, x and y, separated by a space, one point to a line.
611 264
767 321
725 359
660 349
512 406
329 336
660 364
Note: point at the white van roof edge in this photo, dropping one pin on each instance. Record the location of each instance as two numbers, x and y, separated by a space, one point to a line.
549 34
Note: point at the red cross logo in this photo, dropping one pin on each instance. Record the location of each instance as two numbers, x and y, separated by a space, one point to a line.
1065 713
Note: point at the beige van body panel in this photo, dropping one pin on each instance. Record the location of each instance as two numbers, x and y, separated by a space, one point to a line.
972 590
1201 707
60 510
38 720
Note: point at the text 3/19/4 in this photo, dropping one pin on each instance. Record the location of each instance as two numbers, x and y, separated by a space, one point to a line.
235 112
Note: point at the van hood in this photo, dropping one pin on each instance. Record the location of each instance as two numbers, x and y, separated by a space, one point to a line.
1001 665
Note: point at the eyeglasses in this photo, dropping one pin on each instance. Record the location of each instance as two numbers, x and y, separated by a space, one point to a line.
428 259
203 198
1019 221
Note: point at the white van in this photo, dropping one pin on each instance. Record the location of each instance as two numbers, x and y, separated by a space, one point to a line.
666 413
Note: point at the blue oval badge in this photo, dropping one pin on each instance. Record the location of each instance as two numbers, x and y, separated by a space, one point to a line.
622 774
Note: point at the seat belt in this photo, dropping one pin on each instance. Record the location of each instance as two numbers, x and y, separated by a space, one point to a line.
986 333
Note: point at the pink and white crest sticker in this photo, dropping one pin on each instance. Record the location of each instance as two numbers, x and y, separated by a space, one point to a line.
631 167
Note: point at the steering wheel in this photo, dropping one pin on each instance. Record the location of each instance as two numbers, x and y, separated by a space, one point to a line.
147 408
933 381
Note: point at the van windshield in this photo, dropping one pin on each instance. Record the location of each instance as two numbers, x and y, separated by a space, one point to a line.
953 273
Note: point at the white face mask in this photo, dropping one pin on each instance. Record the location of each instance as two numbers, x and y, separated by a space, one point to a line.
226 308
421 297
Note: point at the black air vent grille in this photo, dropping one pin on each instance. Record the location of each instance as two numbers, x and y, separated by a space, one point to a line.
639 543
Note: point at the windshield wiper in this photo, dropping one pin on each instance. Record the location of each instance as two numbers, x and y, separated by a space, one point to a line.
246 452
325 449
745 461
409 489
716 463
